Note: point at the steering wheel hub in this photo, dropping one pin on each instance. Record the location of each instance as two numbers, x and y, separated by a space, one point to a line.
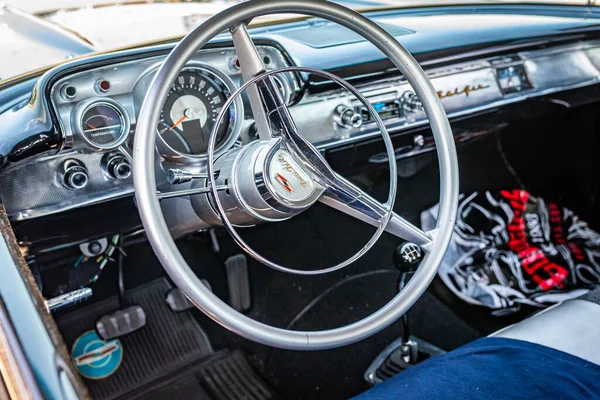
288 180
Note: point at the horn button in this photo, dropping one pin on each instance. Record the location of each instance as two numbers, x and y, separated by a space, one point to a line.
288 179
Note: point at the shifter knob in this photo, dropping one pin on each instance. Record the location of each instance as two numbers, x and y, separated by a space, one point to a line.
407 257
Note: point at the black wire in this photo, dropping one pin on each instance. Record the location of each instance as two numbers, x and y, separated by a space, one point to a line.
120 272
320 297
330 289
507 163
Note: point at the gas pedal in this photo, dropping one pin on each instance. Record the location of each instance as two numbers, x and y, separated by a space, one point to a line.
238 282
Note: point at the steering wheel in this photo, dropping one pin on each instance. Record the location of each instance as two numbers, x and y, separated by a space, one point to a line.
253 174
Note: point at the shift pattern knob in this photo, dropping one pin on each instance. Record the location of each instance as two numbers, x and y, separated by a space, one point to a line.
407 257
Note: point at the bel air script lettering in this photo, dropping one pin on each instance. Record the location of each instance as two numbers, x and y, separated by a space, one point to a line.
466 90
287 167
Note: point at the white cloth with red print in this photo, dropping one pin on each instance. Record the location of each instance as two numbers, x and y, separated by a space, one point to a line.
511 248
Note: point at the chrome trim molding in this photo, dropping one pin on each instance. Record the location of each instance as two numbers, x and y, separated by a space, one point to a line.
548 71
40 191
129 83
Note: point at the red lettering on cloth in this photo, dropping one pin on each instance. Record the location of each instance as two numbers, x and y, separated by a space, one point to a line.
556 223
557 275
533 260
576 251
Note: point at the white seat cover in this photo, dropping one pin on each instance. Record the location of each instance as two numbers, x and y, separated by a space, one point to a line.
572 327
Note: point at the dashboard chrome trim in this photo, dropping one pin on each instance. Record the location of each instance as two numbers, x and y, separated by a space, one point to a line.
89 200
549 71
42 193
101 189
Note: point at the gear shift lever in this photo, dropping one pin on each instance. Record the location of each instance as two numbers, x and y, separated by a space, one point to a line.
407 257
407 350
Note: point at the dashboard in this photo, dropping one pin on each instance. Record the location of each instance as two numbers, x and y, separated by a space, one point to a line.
97 113
89 109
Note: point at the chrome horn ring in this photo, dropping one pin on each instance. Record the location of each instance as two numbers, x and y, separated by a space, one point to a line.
388 205
158 232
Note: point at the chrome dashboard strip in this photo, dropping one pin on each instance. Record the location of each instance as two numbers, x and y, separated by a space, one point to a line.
41 193
490 106
90 200
549 71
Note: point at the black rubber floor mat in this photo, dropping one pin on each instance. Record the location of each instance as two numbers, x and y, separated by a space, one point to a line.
168 342
185 386
225 376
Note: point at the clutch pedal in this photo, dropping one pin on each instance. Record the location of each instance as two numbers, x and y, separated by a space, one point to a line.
121 322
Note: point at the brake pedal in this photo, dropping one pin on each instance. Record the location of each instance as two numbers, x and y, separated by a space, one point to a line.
178 301
238 283
121 322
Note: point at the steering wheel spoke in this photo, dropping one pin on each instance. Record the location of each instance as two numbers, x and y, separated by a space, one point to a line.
270 112
346 197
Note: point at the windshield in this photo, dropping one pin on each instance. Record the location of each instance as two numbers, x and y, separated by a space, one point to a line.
38 33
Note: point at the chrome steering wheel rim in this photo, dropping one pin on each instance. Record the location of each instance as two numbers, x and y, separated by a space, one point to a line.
158 232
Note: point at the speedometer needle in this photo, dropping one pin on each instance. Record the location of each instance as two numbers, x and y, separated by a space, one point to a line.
176 123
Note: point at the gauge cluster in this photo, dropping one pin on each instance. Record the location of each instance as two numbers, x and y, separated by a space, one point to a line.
191 109
97 107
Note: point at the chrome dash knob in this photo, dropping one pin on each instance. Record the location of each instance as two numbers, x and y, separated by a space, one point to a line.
347 117
117 167
74 175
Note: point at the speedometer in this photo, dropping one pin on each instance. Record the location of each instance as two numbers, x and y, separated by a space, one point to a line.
191 109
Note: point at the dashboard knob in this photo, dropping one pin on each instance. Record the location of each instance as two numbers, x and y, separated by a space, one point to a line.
347 117
177 176
74 175
410 101
117 167
418 141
